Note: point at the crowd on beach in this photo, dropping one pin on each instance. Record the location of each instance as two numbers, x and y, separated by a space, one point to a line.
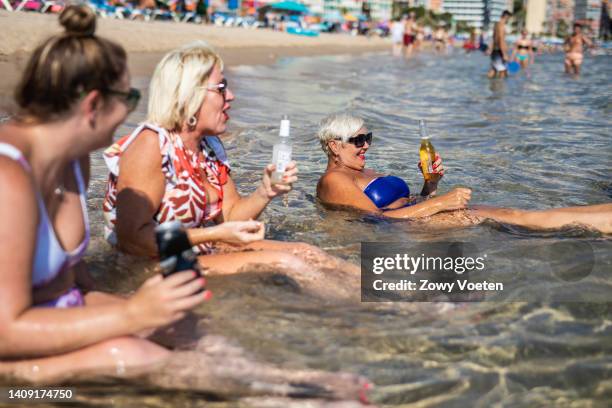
74 93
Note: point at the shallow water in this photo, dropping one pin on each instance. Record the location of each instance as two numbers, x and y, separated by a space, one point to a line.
535 143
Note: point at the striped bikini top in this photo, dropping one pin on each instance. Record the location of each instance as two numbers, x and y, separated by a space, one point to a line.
50 259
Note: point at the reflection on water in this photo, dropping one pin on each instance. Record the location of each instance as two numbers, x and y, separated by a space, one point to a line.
533 142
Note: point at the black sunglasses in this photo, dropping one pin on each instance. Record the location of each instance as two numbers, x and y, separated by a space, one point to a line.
130 98
361 139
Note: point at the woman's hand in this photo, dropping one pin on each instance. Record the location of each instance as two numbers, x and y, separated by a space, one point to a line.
438 169
241 232
430 186
161 301
456 199
270 190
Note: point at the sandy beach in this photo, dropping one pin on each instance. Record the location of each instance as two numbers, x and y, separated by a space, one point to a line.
147 41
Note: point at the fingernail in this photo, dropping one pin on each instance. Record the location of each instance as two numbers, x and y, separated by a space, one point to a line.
362 394
195 274
208 295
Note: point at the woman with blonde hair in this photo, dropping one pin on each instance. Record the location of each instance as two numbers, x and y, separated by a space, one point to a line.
345 140
173 167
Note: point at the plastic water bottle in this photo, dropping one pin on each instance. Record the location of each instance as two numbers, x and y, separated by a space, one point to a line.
281 155
427 153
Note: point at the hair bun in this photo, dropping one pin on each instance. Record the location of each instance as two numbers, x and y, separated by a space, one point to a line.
78 20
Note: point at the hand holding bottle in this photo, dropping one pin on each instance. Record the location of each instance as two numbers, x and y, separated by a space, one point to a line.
281 154
161 301
428 156
270 189
437 170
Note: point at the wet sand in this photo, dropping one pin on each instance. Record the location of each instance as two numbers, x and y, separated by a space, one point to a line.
146 42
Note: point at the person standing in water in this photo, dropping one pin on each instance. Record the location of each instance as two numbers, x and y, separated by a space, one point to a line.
523 50
409 34
574 51
499 53
440 40
397 36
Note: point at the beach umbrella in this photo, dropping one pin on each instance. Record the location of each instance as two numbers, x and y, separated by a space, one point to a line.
290 6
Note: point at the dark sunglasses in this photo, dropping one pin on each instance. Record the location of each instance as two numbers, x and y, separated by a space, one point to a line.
130 98
221 87
361 139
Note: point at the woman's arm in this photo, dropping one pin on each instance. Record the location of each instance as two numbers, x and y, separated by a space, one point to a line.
339 189
140 189
237 208
27 331
232 232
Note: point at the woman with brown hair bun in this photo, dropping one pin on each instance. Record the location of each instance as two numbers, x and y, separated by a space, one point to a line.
74 93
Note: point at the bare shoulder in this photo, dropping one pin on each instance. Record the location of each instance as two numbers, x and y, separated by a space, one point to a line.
143 151
336 187
334 179
17 191
147 142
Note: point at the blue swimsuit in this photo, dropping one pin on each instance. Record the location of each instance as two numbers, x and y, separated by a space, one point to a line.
383 191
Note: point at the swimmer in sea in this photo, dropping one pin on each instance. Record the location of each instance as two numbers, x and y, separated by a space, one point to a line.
348 183
523 50
574 51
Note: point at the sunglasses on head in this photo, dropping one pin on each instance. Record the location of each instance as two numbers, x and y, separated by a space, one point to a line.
130 98
361 139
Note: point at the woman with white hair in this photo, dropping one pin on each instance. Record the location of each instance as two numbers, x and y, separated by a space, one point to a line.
174 167
347 182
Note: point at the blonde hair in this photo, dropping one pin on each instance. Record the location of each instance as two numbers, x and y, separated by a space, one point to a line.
178 86
338 126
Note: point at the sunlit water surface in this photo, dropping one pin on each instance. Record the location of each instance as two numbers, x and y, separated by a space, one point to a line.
534 142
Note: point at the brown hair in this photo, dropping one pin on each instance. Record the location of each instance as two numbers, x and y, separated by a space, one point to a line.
65 66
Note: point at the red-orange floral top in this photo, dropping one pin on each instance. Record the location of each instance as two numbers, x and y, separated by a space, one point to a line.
185 197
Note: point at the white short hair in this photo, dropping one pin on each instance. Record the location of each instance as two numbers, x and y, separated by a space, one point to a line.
178 86
338 126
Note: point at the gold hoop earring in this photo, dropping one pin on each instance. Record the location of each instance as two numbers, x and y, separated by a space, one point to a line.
192 122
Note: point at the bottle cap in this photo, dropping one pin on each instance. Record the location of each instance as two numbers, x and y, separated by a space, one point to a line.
284 127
